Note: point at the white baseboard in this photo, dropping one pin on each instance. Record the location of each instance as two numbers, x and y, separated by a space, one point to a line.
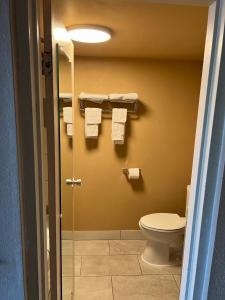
103 235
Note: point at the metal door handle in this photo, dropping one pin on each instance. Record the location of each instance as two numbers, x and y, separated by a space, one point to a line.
72 181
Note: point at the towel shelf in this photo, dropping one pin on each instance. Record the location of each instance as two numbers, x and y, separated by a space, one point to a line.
65 97
132 106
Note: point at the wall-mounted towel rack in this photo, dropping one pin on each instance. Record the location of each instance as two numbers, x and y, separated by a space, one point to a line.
132 106
65 97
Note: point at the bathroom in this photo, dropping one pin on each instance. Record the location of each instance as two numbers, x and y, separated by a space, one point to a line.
162 65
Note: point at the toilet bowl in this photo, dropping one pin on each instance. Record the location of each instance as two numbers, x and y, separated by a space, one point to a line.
163 232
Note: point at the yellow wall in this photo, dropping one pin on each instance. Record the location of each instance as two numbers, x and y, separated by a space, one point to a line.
160 142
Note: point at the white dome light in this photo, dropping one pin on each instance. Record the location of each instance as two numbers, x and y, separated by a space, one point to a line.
89 34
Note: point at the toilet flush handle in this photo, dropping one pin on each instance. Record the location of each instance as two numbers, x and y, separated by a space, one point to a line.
72 181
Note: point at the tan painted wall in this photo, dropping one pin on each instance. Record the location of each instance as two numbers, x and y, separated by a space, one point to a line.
160 142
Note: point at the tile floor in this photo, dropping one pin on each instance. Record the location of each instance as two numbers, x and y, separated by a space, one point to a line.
113 270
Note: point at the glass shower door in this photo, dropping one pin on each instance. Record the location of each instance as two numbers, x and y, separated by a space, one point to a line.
65 119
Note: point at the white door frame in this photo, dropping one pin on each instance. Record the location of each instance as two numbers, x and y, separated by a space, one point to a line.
208 165
206 181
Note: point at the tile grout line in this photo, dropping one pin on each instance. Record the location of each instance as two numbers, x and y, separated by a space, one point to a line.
112 287
81 260
109 247
176 282
120 275
139 264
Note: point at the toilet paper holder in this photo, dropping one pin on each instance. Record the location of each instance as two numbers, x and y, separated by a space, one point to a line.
126 171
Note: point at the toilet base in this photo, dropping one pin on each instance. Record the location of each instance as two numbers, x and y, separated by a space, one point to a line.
158 254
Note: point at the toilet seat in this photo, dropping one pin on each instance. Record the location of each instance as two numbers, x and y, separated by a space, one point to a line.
163 222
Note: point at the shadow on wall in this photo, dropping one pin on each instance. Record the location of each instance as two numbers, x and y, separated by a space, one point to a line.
121 151
137 185
92 144
70 141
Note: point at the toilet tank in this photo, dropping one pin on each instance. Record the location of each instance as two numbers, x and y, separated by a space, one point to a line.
187 199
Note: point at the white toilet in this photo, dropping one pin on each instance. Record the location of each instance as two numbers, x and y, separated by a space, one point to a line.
163 232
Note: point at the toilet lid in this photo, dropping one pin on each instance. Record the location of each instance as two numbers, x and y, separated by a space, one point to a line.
163 221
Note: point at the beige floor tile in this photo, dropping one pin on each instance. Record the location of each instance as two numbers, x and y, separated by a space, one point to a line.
126 246
67 265
177 279
148 287
91 247
93 288
67 285
151 269
67 247
110 265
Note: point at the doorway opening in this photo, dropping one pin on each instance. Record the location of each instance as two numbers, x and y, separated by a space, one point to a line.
155 54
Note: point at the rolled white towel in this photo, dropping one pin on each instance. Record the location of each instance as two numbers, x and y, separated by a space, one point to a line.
97 98
115 97
130 96
127 98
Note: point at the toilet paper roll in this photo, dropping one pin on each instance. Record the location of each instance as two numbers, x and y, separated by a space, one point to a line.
133 173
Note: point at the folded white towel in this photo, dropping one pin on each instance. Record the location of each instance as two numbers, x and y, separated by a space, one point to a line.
130 96
67 115
127 98
91 131
115 97
97 98
119 115
118 133
69 129
93 115
119 118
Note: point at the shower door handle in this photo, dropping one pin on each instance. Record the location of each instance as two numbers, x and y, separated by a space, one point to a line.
72 181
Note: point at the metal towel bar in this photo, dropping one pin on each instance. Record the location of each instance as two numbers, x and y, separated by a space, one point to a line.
134 110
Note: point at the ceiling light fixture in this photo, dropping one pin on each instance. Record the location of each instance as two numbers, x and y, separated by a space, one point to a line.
89 34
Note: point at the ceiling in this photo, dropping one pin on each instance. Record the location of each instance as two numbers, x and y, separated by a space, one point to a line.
140 28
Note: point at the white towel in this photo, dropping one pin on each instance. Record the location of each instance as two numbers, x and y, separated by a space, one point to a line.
115 97
118 132
130 96
97 98
119 115
67 115
119 118
69 129
93 116
91 131
127 98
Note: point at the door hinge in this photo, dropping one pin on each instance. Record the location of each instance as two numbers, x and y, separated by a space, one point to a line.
46 63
